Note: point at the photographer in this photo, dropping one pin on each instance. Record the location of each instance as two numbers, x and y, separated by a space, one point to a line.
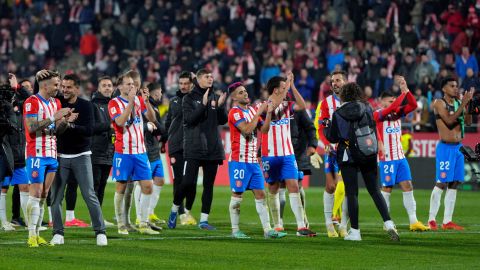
357 152
16 95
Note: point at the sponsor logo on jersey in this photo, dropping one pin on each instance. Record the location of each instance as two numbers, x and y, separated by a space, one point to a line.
283 121
391 130
28 107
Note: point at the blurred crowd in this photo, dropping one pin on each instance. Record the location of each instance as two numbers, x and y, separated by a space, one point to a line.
250 41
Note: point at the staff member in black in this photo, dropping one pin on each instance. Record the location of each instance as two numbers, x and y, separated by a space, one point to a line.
203 112
174 126
354 108
74 151
102 144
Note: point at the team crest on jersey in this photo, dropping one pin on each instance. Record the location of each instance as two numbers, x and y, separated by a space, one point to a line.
118 172
236 116
113 110
28 107
35 174
388 178
238 183
443 175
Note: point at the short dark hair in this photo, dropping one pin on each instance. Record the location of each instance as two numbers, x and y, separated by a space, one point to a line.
153 86
447 80
103 78
202 72
341 72
352 92
24 80
273 83
387 94
72 77
186 75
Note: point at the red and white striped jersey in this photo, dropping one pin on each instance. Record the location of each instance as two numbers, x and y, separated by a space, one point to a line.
244 148
129 139
389 133
43 143
278 142
325 109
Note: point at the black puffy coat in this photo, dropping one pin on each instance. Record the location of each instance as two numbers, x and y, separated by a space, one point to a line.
201 136
174 124
302 132
102 144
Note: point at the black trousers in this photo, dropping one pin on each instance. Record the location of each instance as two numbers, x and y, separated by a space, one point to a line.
189 182
350 178
16 202
177 161
101 172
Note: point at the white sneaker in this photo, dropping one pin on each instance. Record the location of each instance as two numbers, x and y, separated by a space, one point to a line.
7 226
391 230
353 235
57 240
102 239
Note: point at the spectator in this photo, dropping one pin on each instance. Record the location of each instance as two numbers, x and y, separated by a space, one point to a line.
40 47
335 56
454 20
465 61
347 29
470 80
271 69
305 84
409 38
383 83
424 69
89 46
407 70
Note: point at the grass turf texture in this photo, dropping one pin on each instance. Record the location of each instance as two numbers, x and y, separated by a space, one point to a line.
193 248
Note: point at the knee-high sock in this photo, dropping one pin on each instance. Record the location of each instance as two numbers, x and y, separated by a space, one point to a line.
435 203
344 221
154 199
262 211
386 197
339 196
234 209
450 198
328 207
33 211
303 199
127 202
274 205
23 204
283 200
40 215
144 203
3 206
411 206
297 208
137 194
118 202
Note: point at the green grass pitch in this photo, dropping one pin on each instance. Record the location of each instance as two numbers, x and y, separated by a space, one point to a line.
192 248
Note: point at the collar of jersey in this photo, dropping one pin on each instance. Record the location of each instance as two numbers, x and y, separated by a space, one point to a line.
44 100
122 99
243 110
335 97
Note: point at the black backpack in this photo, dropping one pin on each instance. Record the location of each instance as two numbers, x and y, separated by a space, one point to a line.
363 142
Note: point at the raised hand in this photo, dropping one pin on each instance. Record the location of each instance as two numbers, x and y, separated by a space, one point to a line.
400 81
131 94
13 80
222 99
205 97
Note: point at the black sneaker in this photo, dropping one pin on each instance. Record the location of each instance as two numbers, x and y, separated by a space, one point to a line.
305 232
18 222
